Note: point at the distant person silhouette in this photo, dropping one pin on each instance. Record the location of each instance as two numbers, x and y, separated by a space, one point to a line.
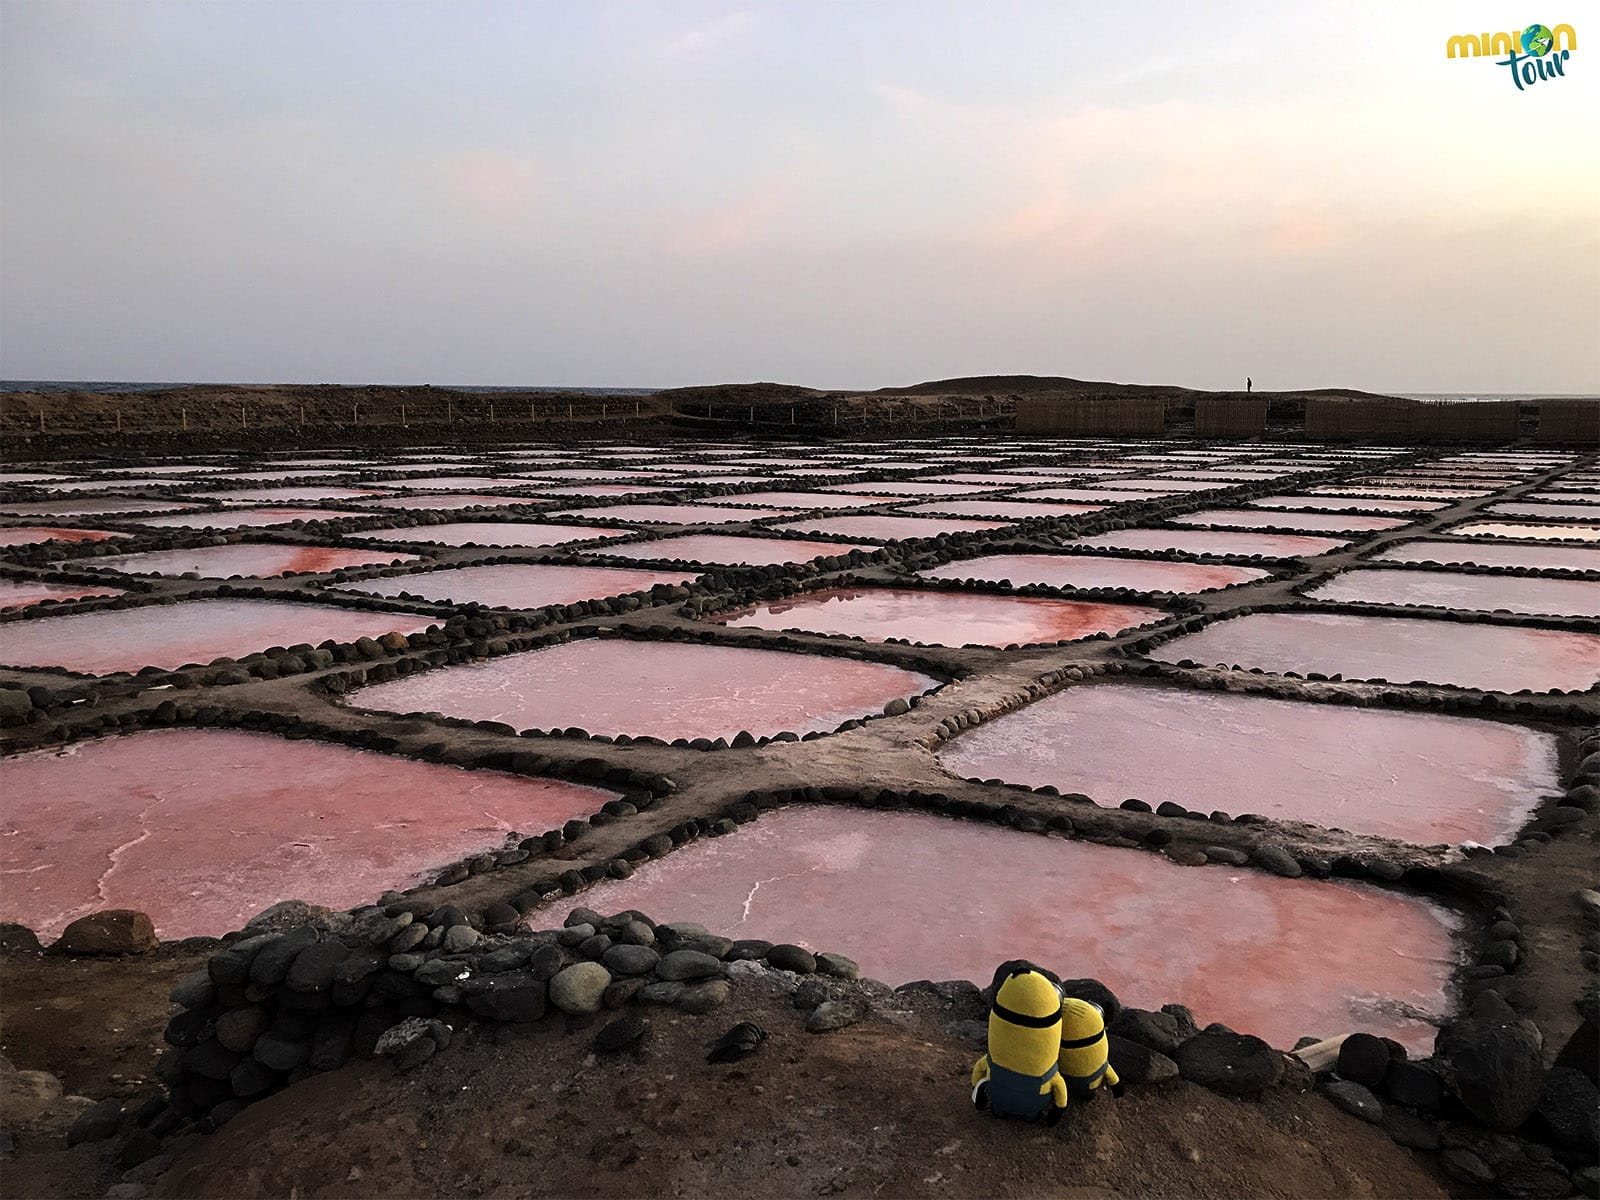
1247 385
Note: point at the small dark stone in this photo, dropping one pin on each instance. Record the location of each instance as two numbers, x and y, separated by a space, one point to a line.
1095 993
681 966
1354 1099
626 1032
1138 1064
1497 1060
1364 1059
1569 1105
138 1149
1277 860
1407 1130
704 996
788 957
96 1123
1464 1166
1414 1085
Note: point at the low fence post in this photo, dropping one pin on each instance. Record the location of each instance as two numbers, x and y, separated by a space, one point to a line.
183 415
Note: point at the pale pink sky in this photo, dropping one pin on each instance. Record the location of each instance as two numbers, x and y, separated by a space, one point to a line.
841 194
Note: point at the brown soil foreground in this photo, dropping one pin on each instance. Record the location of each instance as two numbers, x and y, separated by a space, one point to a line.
876 1109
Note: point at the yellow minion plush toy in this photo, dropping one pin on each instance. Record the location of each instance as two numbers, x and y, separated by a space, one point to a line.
1084 1065
1020 1076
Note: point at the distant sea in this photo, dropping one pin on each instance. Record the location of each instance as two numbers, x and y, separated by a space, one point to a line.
1499 395
122 386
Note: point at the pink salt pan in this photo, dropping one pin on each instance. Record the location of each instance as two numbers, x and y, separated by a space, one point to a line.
33 535
911 896
196 631
1494 554
674 514
1355 503
247 518
1505 529
23 593
654 689
1097 571
1003 510
491 533
202 829
726 550
1245 518
1557 512
447 500
942 618
1498 658
1415 777
888 528
800 501
519 585
1183 541
1457 589
254 560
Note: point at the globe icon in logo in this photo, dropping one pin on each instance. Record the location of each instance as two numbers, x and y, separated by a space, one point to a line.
1537 39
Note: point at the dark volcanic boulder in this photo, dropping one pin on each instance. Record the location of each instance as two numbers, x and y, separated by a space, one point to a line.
1139 1064
1364 1059
114 931
1569 1103
1235 1064
1095 993
1496 1058
514 996
1582 1051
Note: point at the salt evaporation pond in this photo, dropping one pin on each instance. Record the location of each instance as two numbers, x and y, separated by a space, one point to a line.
1415 777
1559 512
107 506
253 560
887 528
654 689
195 631
1096 571
912 896
1499 658
285 495
942 618
202 829
1507 529
447 500
674 514
1219 542
519 585
248 518
1494 554
799 501
1004 510
726 550
33 535
1244 518
1355 503
491 533
1457 589
23 593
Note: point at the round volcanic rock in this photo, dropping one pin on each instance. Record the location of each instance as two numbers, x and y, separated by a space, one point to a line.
684 966
1364 1059
625 1033
1235 1064
1497 1060
580 988
112 931
627 959
788 957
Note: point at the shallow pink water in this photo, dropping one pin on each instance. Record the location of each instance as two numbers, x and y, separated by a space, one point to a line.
270 476
942 618
32 535
1403 493
909 487
195 631
595 490
1088 495
104 506
910 896
1008 510
1271 545
519 585
799 500
675 514
1245 518
447 500
1507 529
256 560
726 550
1416 777
21 593
287 495
656 689
1359 503
455 483
202 829
1456 589
1494 554
491 533
1096 571
248 518
1399 649
887 528
1592 498
587 473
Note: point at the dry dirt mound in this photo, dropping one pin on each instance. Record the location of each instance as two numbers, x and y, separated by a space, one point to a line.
876 1109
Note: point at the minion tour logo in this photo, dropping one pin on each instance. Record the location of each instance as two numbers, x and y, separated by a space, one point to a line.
1542 56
